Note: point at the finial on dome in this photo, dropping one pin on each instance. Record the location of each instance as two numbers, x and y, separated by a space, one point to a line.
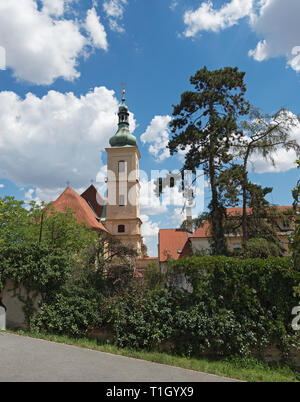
123 92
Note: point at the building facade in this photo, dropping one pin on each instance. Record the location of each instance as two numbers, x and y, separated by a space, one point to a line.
123 186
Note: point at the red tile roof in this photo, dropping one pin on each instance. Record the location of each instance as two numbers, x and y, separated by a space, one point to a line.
204 231
95 200
70 199
173 243
239 211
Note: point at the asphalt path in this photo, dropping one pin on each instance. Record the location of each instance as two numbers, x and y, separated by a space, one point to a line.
25 359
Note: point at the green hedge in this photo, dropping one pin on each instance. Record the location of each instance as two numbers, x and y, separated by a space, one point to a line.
236 307
72 313
37 267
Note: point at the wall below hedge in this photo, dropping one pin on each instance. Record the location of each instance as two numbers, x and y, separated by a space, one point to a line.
270 354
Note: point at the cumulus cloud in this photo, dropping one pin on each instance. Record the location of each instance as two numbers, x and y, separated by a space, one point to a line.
2 186
283 160
274 21
54 7
149 228
178 216
207 18
278 24
114 10
45 142
96 30
41 44
157 134
150 203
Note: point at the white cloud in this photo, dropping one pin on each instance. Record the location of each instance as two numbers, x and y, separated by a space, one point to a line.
157 134
45 142
29 196
174 4
114 10
149 228
278 24
283 160
96 30
2 186
207 18
150 204
178 216
42 45
53 7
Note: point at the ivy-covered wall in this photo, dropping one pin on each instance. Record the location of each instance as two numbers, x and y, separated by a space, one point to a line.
235 307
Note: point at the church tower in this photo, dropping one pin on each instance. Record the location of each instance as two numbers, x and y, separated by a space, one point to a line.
123 186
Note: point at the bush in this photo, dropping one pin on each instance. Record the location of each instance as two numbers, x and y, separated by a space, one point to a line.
69 313
261 248
139 322
235 307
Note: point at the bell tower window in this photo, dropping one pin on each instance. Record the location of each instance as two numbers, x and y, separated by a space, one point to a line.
122 166
121 200
121 228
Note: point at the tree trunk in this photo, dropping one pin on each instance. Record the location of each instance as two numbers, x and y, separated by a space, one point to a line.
219 245
244 216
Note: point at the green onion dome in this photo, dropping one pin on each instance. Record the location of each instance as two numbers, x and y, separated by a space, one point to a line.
123 137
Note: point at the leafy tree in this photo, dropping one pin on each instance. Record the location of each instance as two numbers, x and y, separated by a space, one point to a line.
15 225
264 135
204 123
42 224
110 263
260 248
295 238
195 223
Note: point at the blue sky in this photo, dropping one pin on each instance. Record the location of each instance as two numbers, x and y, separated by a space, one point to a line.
65 64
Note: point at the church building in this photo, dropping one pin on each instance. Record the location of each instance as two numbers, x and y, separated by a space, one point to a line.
118 214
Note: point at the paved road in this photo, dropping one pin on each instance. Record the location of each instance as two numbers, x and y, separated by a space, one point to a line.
27 359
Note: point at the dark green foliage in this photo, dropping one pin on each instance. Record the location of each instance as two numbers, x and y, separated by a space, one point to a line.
139 321
235 307
265 135
260 248
72 313
153 278
205 124
221 331
36 266
295 238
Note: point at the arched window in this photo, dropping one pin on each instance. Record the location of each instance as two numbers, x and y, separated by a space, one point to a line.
121 229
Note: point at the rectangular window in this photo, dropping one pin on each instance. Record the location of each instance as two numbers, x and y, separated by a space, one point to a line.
121 200
122 167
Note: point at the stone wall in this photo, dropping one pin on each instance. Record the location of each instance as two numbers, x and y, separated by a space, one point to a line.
12 297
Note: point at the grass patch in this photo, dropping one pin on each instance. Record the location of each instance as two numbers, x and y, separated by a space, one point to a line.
246 369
